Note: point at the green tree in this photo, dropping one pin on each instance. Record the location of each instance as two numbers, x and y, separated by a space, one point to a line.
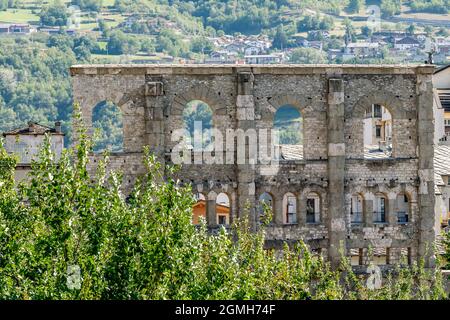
280 41
307 55
54 14
355 6
201 45
66 234
92 5
390 8
411 29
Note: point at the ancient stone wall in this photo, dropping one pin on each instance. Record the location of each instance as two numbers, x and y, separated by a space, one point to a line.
331 99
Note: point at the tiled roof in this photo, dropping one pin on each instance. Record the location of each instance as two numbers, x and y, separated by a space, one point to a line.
32 128
439 243
295 152
442 160
291 151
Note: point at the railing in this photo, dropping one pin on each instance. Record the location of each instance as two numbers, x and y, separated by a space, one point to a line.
356 217
402 217
292 218
310 217
379 217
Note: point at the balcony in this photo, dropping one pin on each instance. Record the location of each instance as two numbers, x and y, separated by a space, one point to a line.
356 218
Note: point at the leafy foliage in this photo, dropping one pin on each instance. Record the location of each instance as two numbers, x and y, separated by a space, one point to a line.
107 121
288 122
145 247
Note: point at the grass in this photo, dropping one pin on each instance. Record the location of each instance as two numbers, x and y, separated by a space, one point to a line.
18 16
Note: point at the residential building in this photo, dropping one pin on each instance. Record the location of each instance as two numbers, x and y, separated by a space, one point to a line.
406 43
25 143
15 28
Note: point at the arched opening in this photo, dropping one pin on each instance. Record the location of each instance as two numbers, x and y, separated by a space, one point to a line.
379 208
356 209
197 121
199 208
313 208
403 208
223 209
377 132
265 203
107 122
289 208
288 125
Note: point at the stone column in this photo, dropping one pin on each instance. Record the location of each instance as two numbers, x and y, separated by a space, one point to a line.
336 164
245 115
391 218
211 217
154 119
301 209
368 212
425 135
278 211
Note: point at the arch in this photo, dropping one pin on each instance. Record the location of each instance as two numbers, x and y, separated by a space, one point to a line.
385 98
313 207
266 200
300 102
198 124
290 208
403 207
201 93
356 114
223 209
107 121
380 207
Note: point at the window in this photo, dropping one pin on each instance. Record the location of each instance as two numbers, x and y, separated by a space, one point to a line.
108 125
197 119
289 208
222 220
265 202
402 207
377 111
356 209
379 213
288 125
377 133
222 208
313 208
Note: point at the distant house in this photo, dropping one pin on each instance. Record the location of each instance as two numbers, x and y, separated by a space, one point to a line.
235 47
25 143
253 50
17 28
360 50
222 212
57 30
222 56
406 43
264 59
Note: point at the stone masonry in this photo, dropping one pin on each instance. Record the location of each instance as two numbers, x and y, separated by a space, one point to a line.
332 100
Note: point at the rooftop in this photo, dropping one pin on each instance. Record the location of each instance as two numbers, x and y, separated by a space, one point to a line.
34 128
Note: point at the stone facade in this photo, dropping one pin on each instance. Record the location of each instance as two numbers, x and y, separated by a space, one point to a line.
332 100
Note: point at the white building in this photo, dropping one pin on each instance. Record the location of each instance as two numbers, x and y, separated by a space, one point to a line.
25 143
406 43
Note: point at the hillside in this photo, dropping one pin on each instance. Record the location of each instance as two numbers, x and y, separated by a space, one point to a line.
40 39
